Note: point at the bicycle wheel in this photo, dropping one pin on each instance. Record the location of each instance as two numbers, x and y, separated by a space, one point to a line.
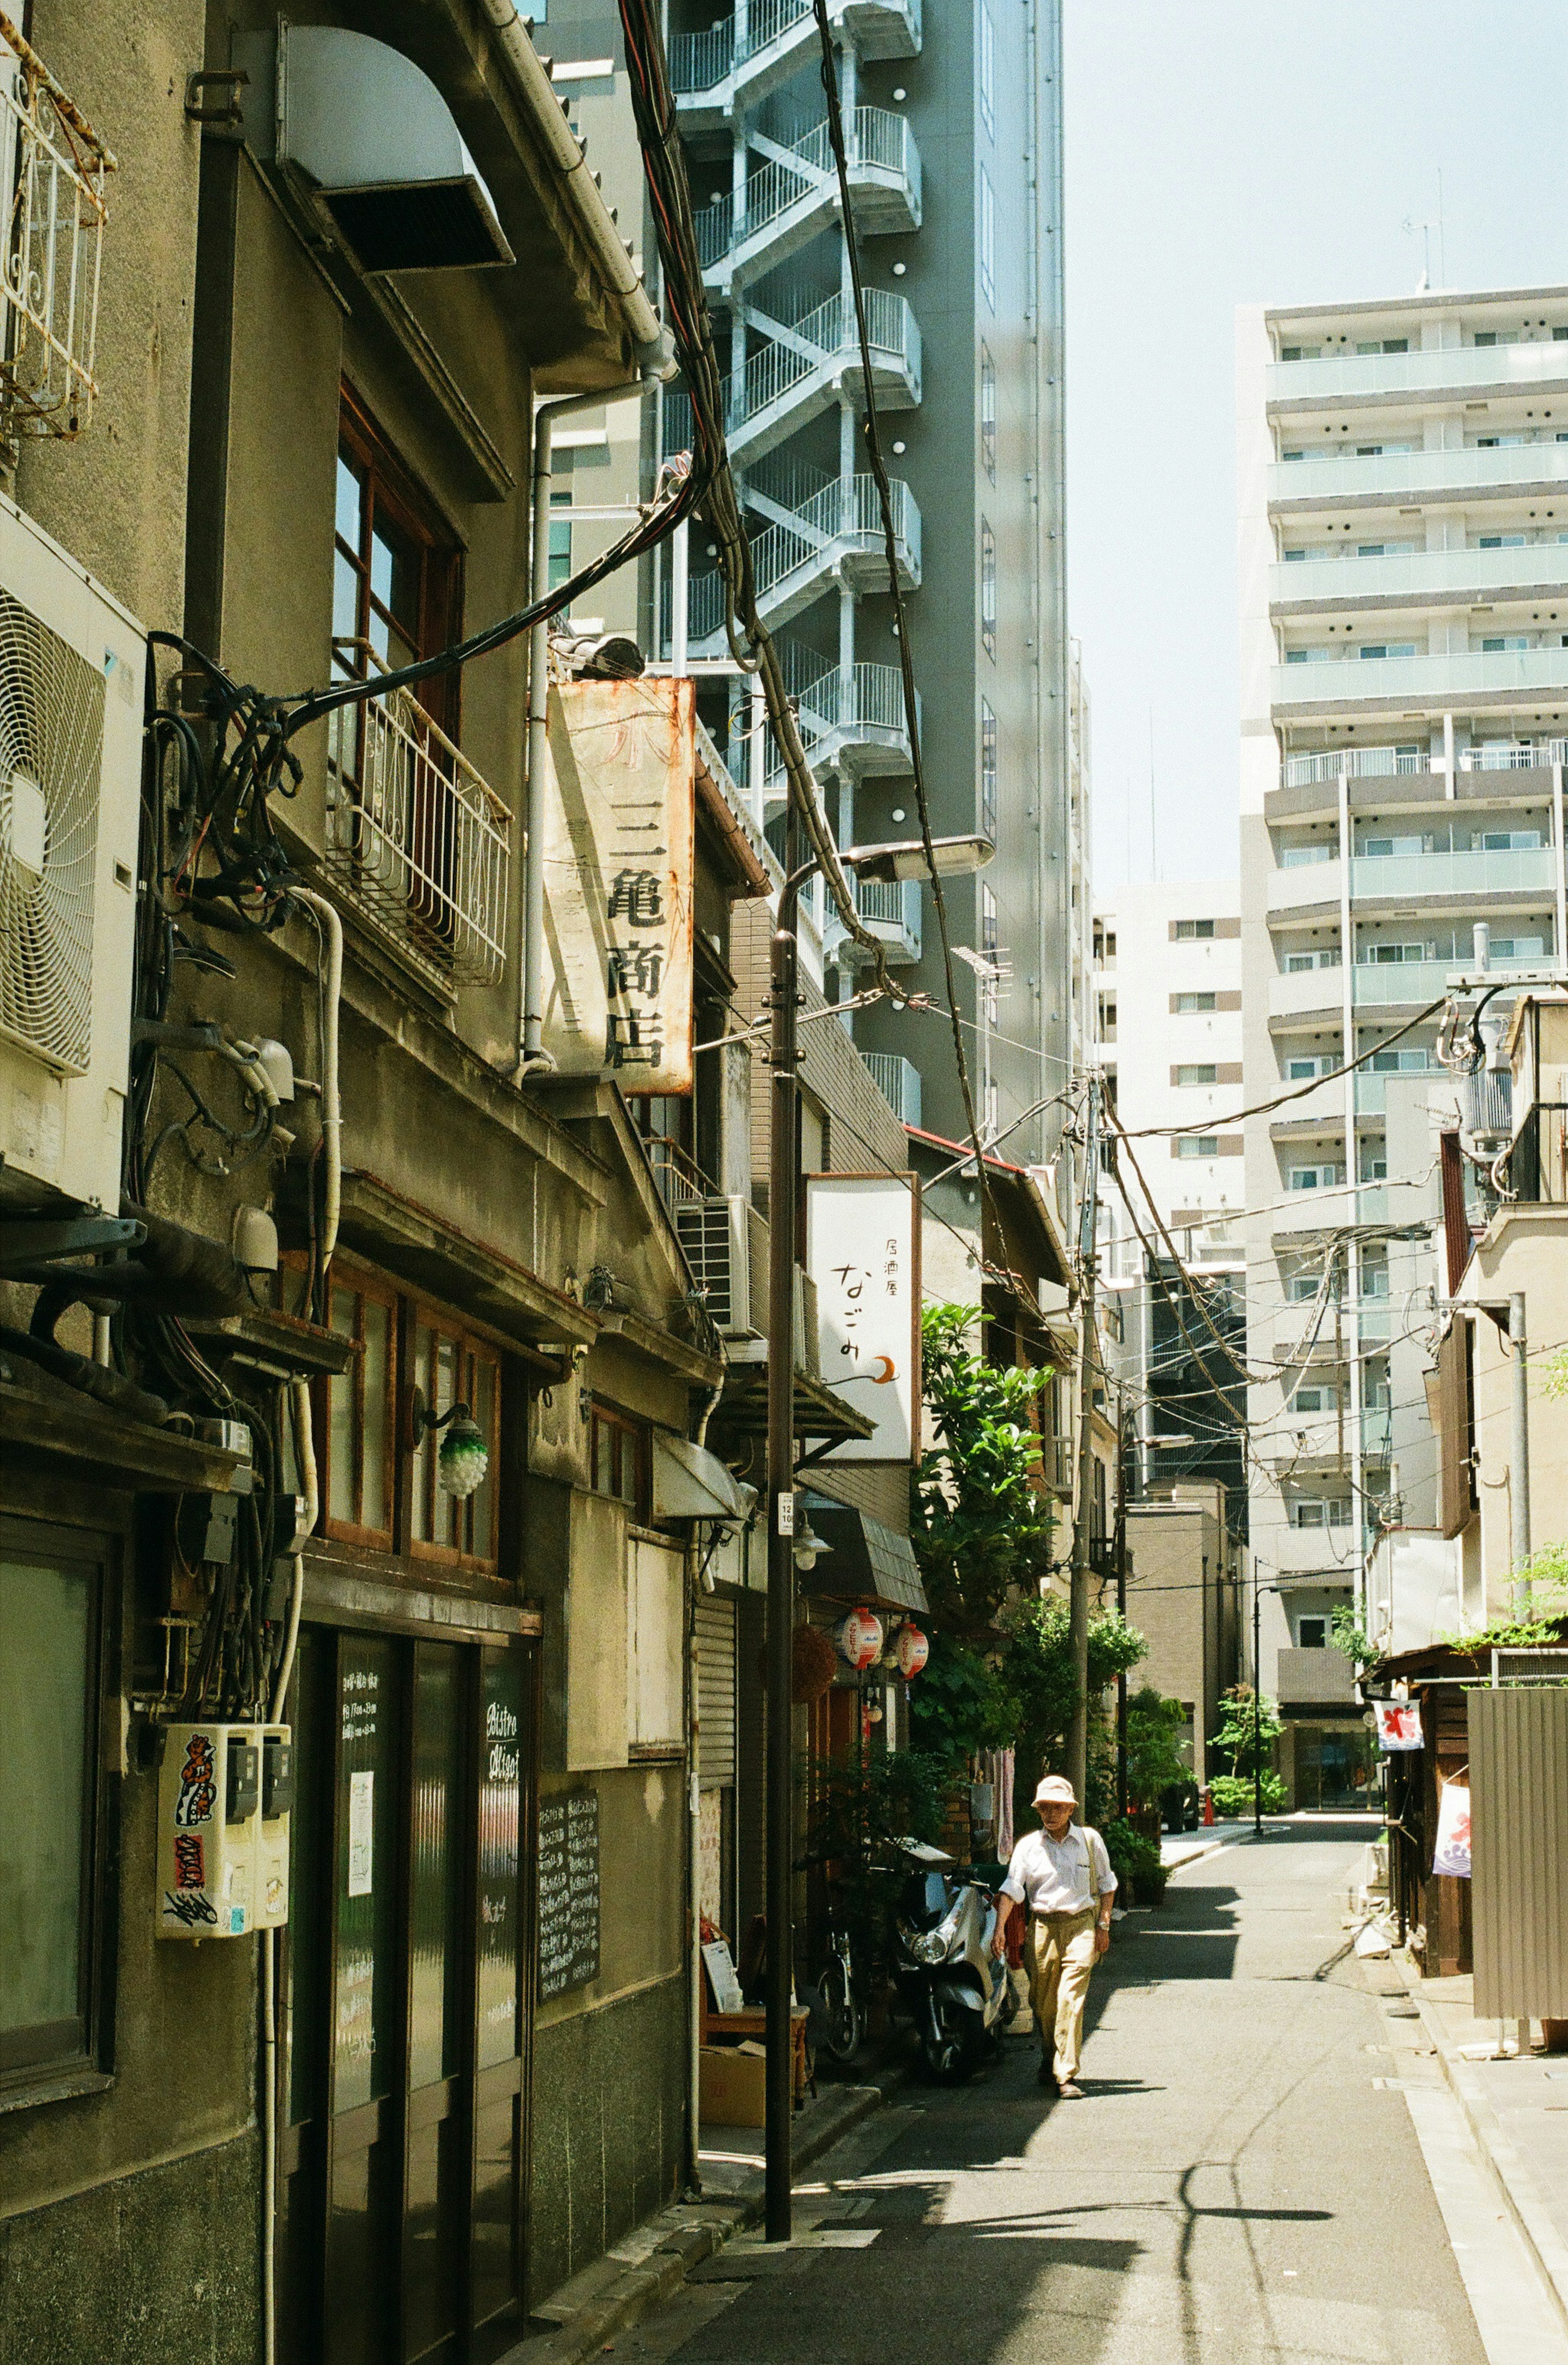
841 2011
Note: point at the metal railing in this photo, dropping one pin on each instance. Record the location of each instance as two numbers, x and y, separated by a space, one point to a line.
1353 763
698 60
1538 1163
878 139
898 1080
52 168
418 837
829 335
1513 755
845 512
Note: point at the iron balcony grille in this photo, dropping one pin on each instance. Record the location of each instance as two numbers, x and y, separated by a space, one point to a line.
417 838
52 167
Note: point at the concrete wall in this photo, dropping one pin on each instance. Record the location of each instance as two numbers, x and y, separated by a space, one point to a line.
1181 1596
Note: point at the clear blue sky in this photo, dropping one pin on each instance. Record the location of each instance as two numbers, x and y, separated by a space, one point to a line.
1231 151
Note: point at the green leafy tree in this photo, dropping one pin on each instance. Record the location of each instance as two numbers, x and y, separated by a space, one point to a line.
1247 1730
980 1523
1154 1755
1347 1634
961 1702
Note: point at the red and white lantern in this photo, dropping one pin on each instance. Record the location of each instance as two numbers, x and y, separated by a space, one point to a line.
914 1650
859 1639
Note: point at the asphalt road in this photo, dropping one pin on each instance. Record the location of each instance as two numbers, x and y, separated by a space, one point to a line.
1234 2188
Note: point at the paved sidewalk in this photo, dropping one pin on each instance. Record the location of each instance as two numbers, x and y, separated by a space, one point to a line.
651 2263
1187 1847
1518 2109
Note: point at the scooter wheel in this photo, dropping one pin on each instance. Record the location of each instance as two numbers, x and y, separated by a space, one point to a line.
841 2010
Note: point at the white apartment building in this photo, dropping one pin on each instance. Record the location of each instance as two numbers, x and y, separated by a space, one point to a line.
1169 1038
1403 576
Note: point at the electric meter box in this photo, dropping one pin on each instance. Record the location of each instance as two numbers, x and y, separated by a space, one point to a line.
224 1800
273 1825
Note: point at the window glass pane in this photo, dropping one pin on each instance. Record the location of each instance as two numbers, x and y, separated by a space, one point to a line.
376 1508
435 1871
603 1446
500 1798
482 1500
444 1527
424 1452
346 598
44 1665
348 504
340 1491
395 575
364 2005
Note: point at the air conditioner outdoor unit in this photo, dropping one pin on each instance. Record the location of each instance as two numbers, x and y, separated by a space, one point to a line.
722 1238
71 673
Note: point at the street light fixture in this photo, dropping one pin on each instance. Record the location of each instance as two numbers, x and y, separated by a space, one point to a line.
906 858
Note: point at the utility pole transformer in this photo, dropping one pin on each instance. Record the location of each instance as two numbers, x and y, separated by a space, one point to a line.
1078 1608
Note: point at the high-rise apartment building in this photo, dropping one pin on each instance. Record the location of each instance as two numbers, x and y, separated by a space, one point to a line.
1403 564
953 132
1167 992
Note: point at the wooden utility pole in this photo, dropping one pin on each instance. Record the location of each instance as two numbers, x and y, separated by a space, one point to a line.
1078 1607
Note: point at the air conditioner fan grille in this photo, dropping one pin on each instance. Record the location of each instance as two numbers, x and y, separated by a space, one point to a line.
51 740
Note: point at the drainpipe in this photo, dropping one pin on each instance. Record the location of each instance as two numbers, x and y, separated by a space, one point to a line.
532 1053
1519 1453
611 254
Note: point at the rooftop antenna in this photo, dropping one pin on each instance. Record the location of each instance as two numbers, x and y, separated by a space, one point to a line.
1426 229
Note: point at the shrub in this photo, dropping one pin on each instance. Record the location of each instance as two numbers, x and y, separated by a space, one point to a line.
1233 1795
1134 1855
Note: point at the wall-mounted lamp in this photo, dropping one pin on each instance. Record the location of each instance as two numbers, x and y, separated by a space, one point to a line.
463 1457
808 1548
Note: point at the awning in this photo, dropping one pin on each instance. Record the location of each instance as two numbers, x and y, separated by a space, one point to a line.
689 1482
865 1561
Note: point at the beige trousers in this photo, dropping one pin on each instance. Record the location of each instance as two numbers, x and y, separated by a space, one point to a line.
1062 1959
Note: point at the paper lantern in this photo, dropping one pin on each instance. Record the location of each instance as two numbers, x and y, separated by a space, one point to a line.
914 1650
859 1639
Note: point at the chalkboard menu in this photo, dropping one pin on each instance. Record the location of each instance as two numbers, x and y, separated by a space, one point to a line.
568 1891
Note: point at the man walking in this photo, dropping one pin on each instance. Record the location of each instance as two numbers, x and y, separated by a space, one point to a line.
1062 1877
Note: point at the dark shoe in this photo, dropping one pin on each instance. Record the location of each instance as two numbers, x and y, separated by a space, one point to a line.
1070 2092
1047 2075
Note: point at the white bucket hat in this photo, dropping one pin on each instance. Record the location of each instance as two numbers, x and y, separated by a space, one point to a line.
1056 1791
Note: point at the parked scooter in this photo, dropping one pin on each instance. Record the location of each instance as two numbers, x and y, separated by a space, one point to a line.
959 1996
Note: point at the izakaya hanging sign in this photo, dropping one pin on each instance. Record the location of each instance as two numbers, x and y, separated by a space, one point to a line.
618 839
1451 1852
1399 1724
863 1252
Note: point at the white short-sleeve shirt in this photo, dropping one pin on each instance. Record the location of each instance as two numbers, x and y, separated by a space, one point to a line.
1061 1875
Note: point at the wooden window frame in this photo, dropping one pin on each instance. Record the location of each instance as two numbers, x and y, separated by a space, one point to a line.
86 2065
424 1313
350 1279
629 1433
395 492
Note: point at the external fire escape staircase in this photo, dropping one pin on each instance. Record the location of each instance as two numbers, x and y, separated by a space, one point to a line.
816 534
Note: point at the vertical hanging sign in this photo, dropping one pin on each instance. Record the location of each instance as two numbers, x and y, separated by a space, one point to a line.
863 1252
618 860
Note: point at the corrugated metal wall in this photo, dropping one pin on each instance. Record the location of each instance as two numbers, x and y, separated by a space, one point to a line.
1518 1799
716 1690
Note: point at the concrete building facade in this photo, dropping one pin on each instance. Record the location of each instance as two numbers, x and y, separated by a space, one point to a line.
953 129
1403 561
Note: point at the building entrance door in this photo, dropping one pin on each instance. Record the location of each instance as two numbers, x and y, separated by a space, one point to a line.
407 2010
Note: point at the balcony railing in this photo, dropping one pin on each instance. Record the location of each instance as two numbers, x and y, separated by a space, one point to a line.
1481 870
1305 1678
898 1080
1394 983
879 140
1538 1163
840 519
1530 570
1449 369
1456 678
698 60
1353 763
52 168
417 838
1415 476
1513 755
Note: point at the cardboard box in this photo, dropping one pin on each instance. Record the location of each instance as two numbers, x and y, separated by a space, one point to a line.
732 2087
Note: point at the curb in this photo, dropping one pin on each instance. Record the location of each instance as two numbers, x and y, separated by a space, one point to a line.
1508 2173
694 2231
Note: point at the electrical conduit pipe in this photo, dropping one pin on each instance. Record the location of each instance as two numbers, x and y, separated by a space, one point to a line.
332 1102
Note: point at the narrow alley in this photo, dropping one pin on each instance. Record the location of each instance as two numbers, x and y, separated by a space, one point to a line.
1244 2180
